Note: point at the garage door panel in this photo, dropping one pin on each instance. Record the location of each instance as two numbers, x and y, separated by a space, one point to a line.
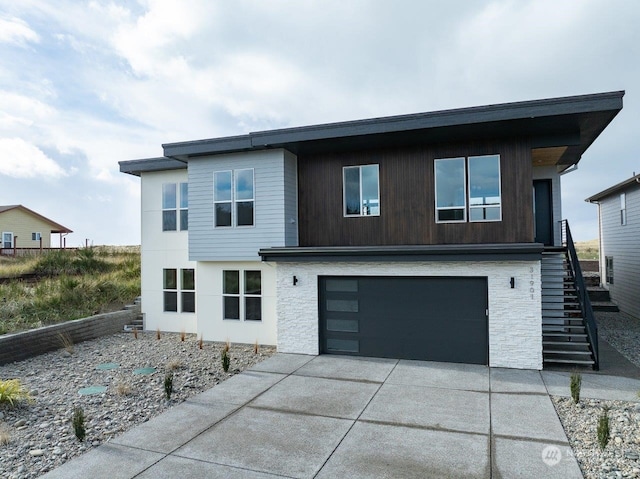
439 319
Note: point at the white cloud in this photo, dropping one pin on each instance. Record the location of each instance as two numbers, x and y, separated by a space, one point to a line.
17 31
24 160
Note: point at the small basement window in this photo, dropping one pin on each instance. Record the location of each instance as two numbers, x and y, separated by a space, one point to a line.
608 260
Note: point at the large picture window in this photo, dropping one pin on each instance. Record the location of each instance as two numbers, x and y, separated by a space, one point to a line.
242 295
233 198
468 189
361 190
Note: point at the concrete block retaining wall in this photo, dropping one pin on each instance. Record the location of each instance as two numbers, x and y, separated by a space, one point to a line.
26 344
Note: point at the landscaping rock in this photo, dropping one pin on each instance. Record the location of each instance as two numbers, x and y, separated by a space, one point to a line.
42 434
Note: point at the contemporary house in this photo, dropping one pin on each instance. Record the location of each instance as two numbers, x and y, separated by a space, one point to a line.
433 236
22 228
619 222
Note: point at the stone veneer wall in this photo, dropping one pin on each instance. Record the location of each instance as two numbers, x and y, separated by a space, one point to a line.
26 344
515 315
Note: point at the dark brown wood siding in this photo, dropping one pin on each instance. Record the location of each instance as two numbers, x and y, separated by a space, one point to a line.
407 204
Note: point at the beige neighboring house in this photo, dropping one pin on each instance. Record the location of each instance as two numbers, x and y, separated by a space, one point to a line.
22 228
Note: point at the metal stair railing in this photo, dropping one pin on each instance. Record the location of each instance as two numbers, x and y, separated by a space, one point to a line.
581 290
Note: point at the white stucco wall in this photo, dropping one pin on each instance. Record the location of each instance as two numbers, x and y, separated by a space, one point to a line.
515 316
162 249
210 305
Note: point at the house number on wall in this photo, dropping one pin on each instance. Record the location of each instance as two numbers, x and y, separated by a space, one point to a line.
531 283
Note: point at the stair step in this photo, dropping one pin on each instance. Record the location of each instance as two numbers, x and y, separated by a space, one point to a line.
586 362
604 306
568 352
560 334
565 343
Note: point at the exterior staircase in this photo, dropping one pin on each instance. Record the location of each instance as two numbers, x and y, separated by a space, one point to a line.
138 323
569 332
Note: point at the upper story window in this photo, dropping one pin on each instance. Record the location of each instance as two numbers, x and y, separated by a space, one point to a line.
170 206
623 209
233 198
468 189
361 190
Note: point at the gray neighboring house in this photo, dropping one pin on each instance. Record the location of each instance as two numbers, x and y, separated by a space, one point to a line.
619 223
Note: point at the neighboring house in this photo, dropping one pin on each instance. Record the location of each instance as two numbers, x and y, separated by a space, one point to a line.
22 228
619 221
421 236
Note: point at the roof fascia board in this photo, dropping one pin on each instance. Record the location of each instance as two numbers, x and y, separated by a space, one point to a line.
526 110
136 167
58 228
614 189
475 252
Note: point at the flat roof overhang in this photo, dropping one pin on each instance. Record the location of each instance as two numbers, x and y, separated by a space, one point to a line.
136 167
450 252
560 130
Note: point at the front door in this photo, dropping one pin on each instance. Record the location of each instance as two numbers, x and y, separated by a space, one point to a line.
543 212
7 240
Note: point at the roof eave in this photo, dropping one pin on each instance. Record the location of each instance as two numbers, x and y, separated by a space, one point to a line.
614 189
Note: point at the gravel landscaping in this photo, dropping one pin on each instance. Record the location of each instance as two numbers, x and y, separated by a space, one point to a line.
40 436
621 457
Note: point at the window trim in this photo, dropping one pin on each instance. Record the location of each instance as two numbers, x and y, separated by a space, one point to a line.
499 205
166 290
13 241
344 191
234 200
179 290
242 295
435 192
177 208
608 267
623 209
467 193
180 208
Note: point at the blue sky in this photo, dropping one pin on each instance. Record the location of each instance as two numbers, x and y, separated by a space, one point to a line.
85 84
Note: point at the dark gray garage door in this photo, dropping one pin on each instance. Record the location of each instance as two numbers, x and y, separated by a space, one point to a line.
434 319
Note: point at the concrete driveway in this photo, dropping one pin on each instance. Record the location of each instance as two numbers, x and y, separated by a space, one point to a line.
300 416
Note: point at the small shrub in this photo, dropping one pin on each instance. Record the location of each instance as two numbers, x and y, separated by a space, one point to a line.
226 360
78 423
227 345
200 342
603 428
168 384
256 347
13 392
66 342
5 435
182 335
575 385
174 364
123 388
158 334
135 333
